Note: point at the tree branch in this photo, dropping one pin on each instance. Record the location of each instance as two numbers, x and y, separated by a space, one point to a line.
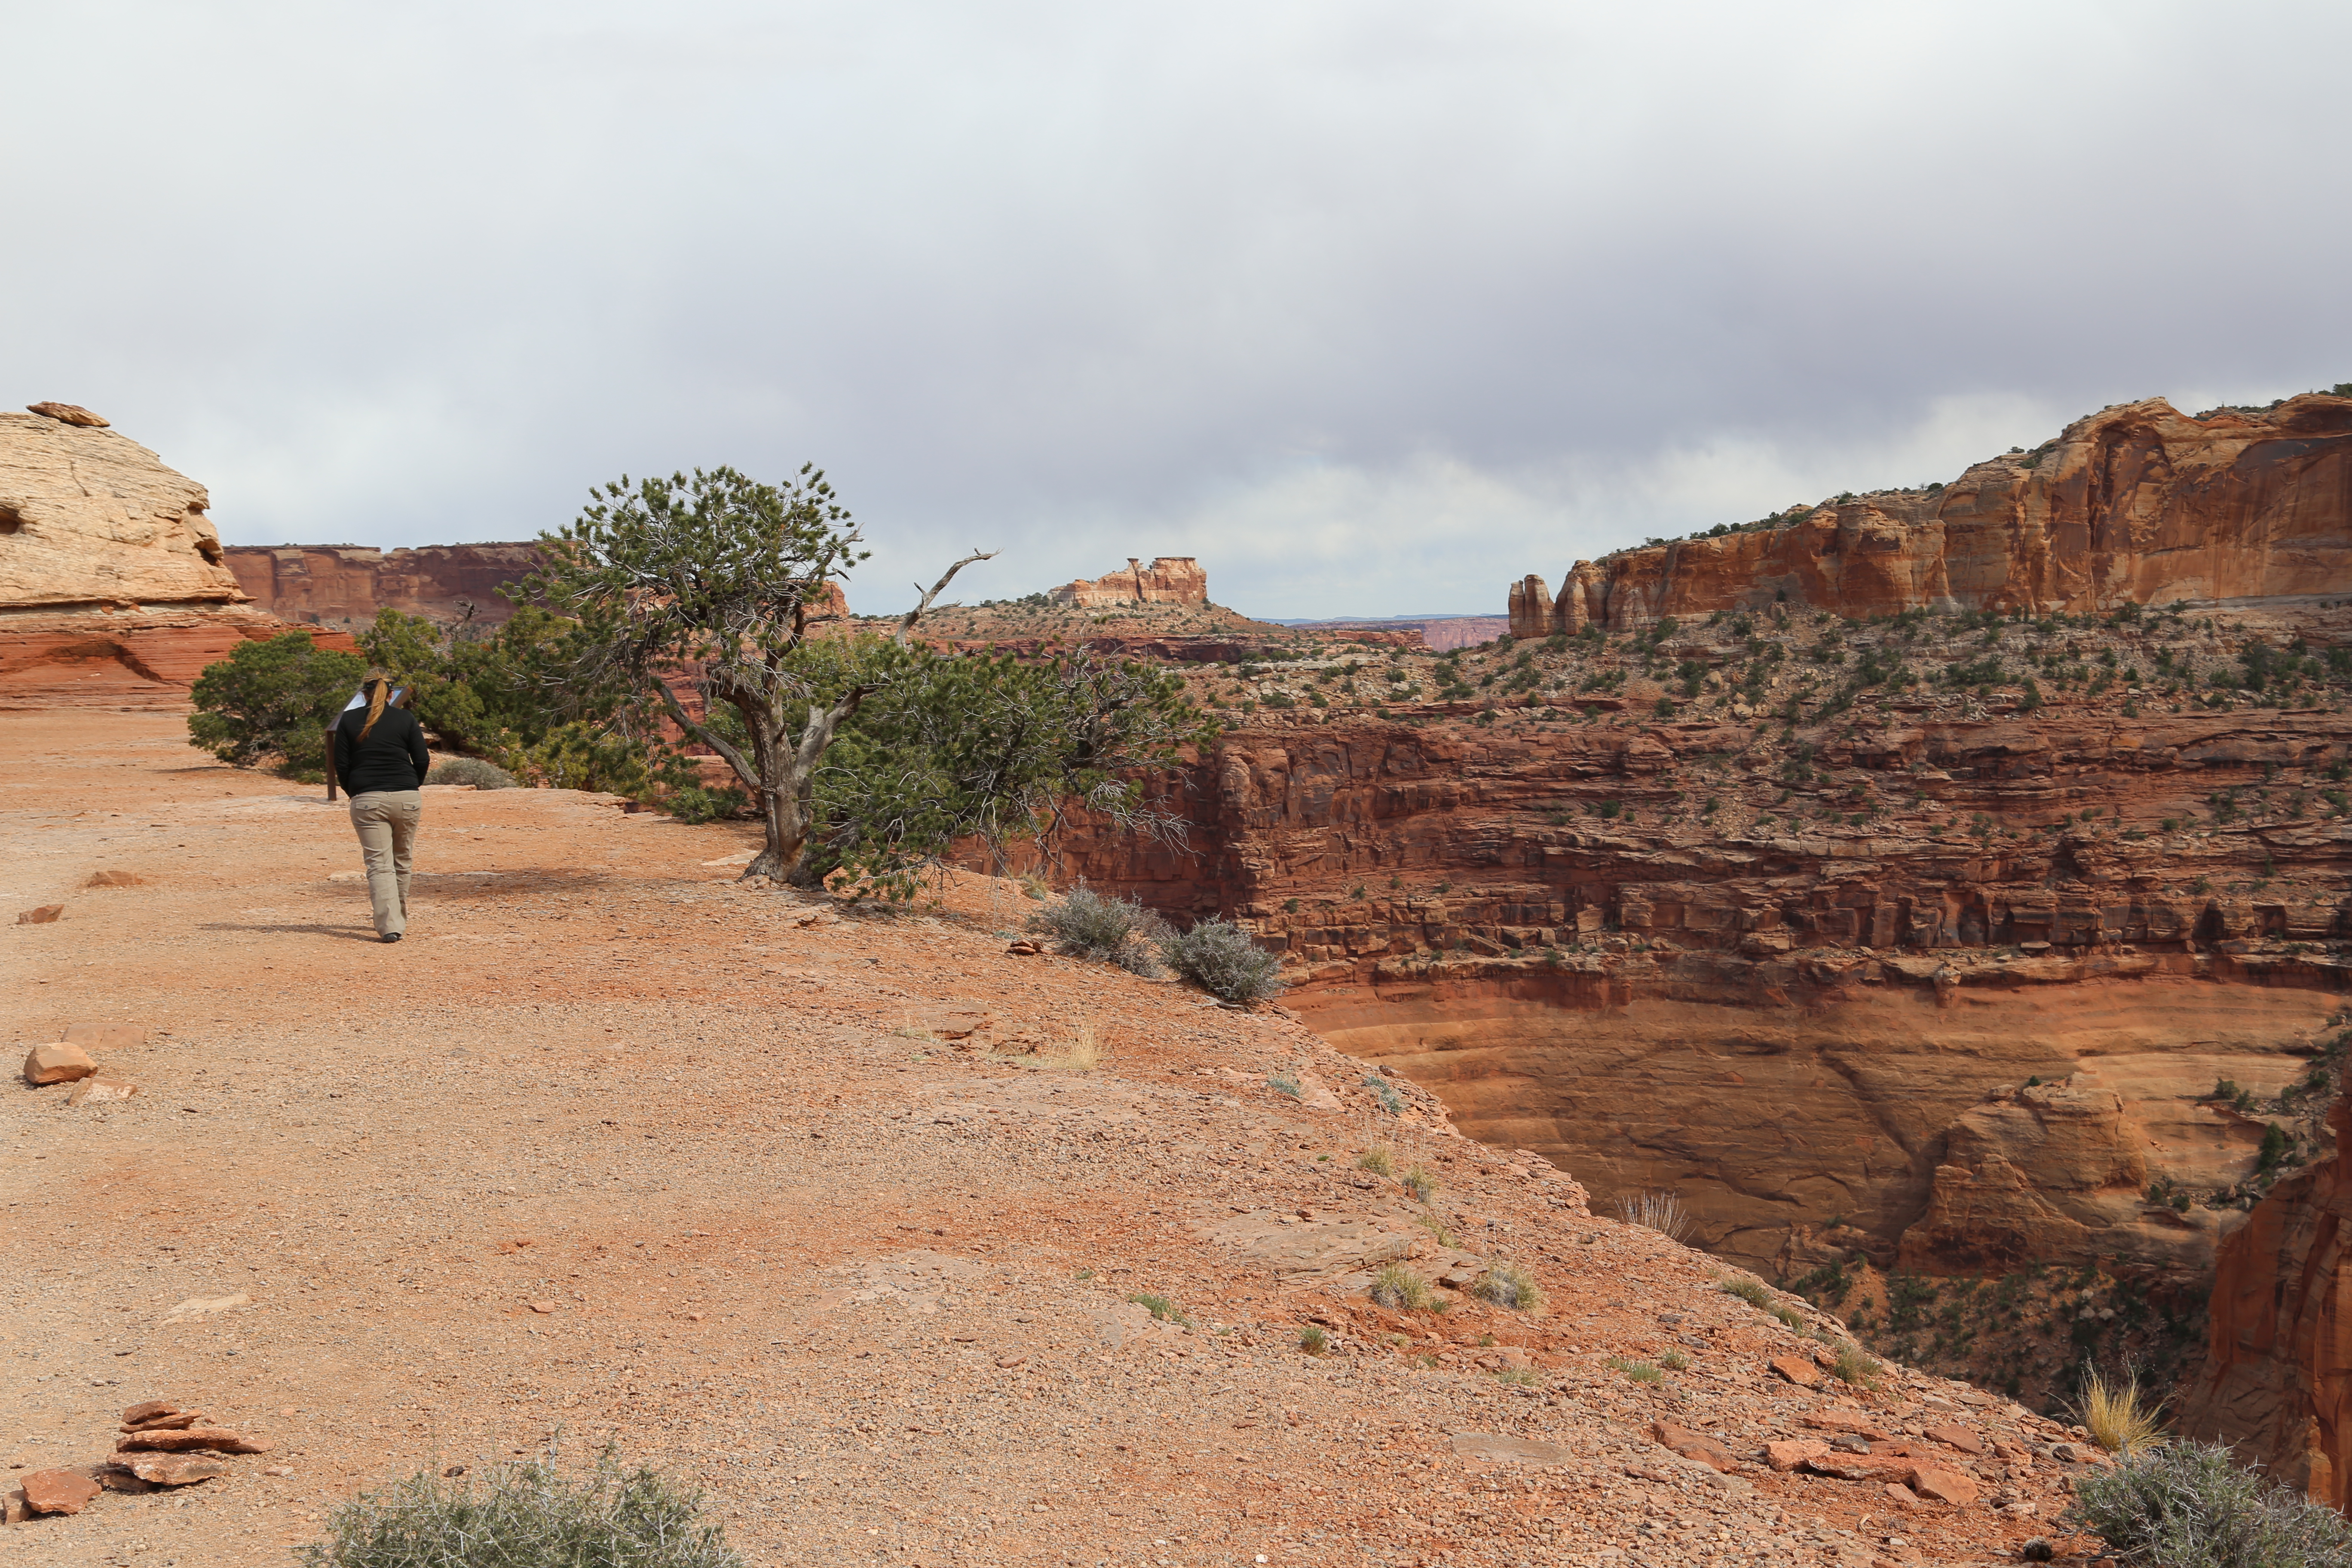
938 588
743 770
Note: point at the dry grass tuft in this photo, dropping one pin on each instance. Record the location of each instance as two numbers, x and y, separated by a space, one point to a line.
1377 1160
2121 1418
1662 1212
1399 1288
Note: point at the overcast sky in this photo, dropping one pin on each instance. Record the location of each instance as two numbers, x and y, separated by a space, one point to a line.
1371 307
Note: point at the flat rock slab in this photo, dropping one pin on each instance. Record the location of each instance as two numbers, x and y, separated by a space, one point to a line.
169 1470
1510 1451
1313 1248
58 1491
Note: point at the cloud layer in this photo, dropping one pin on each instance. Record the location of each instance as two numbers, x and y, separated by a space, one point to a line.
1372 307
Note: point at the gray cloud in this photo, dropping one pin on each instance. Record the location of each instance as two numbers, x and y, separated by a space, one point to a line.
1370 306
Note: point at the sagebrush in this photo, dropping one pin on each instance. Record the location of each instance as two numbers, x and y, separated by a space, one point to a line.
1399 1288
1084 924
471 771
1662 1212
1508 1285
1220 957
529 1515
2188 1505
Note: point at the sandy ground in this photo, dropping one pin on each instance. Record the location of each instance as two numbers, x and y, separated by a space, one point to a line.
615 1148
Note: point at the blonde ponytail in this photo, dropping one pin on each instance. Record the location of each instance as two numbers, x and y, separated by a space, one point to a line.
378 688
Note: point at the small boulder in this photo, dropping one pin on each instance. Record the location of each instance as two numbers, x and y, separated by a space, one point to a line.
1707 1449
1787 1456
168 1470
47 914
13 1509
116 879
58 1063
1957 1437
1797 1370
69 413
58 1491
1939 1485
1898 1492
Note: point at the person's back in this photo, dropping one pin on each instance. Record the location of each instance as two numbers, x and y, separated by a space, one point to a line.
390 757
380 758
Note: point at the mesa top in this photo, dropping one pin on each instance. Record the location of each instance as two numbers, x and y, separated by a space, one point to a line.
393 757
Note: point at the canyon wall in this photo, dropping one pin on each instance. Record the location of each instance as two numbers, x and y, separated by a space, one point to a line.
114 589
2277 1378
344 585
2138 502
1169 580
1804 1031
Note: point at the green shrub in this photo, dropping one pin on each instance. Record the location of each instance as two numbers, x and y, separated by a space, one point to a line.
1220 957
526 1516
1508 1285
1084 924
470 770
273 699
1674 1361
1853 1364
1752 1291
1377 1160
1421 1183
1400 1289
1160 1307
1286 1082
2187 1505
1639 1371
1385 1092
1313 1341
695 804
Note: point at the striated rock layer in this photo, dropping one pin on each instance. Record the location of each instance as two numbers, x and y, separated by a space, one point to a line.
2136 503
344 585
90 519
114 589
1798 1030
1169 580
2277 1380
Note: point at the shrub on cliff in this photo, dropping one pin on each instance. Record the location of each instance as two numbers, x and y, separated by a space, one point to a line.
1084 924
1220 957
2187 1505
470 770
273 699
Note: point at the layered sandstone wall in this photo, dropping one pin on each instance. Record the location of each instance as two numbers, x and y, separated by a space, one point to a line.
1169 580
90 519
344 585
2277 1378
1797 1027
2137 503
114 588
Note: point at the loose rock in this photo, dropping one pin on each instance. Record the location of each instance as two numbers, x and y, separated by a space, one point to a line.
45 915
58 1491
58 1063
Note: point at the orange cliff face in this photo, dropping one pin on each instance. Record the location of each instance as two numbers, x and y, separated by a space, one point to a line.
1169 580
344 585
2138 502
2277 1379
114 588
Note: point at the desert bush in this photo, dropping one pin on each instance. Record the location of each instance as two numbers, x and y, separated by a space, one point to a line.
1313 1341
1084 924
1674 1361
1508 1285
1639 1371
2120 1417
1662 1212
1752 1291
2187 1505
1386 1093
1400 1289
695 804
470 770
1377 1160
526 1516
273 699
1219 956
1854 1365
1421 1184
1160 1307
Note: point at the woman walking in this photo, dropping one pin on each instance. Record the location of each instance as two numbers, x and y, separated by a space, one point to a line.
380 758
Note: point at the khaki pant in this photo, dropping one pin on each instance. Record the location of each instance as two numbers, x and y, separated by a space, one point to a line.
386 820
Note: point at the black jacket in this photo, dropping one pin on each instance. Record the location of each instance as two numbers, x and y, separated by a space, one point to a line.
391 757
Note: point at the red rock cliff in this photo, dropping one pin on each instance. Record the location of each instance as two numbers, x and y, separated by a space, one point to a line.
2138 502
345 585
2277 1381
